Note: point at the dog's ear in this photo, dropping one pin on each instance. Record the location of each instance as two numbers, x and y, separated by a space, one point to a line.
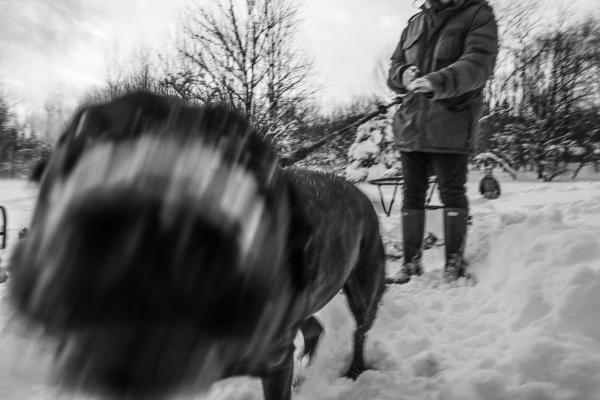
86 125
89 123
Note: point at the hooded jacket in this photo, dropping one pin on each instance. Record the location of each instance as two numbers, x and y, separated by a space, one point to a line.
490 186
455 47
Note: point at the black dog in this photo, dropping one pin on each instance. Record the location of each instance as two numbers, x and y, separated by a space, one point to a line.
168 250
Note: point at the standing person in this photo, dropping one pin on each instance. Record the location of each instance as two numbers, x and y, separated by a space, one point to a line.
445 55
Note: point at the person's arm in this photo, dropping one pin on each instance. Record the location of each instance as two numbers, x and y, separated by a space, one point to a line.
398 67
475 66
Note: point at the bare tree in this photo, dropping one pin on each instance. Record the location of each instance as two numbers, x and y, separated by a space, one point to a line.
564 76
243 52
140 72
518 24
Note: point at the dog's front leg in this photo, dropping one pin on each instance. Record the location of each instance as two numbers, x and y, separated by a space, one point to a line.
277 383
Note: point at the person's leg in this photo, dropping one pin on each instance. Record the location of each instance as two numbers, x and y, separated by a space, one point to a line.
415 166
451 171
415 170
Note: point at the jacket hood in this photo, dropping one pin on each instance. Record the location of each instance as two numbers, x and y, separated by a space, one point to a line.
456 4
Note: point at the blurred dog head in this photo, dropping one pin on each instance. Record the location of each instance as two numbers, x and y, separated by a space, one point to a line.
157 244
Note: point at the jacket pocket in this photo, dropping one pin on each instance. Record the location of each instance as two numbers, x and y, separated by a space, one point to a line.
449 126
403 124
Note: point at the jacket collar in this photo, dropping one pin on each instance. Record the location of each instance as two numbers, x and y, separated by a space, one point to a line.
456 5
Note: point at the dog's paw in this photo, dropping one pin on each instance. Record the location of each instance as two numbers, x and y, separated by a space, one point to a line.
355 371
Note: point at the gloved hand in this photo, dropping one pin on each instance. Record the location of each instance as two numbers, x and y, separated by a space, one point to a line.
420 85
409 75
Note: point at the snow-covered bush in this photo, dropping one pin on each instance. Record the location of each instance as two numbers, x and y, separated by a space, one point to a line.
373 154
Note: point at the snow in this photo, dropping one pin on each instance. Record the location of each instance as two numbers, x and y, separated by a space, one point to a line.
527 330
372 155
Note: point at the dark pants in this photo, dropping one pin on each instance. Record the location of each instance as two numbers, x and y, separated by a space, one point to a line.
451 171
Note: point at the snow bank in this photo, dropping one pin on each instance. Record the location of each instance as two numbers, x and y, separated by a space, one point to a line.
528 330
372 155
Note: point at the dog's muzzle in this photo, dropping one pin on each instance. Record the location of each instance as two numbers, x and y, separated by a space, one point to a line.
122 190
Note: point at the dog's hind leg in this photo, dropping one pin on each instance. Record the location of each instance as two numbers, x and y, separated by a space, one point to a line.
363 290
277 383
311 330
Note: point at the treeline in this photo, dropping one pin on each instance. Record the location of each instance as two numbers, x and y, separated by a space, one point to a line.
544 101
18 151
545 94
245 54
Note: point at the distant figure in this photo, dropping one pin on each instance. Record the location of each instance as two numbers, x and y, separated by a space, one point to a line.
489 187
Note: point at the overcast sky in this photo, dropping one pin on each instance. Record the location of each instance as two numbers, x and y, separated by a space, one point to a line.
61 47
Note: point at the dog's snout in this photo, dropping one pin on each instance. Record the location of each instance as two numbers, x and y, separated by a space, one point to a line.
110 216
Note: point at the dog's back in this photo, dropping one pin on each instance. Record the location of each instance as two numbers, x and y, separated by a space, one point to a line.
341 231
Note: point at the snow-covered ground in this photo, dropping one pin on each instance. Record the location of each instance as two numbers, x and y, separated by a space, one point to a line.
528 330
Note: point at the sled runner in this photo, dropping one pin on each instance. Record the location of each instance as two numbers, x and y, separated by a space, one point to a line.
3 225
397 181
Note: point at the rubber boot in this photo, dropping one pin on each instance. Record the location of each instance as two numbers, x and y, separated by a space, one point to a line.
413 228
455 232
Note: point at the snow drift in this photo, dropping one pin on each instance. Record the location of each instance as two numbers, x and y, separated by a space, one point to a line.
528 330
